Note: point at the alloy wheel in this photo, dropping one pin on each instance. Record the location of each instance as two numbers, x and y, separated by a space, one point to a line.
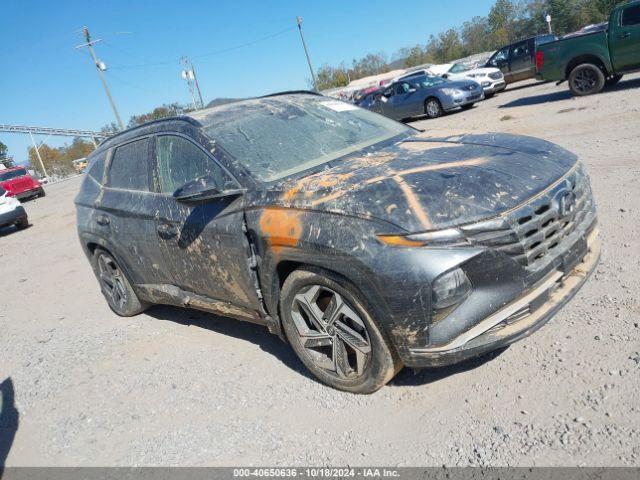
111 280
433 108
333 335
585 80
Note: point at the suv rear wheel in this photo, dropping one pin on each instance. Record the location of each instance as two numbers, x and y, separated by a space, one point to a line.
333 332
115 286
586 79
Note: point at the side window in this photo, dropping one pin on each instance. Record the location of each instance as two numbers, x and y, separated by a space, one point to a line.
500 57
388 92
180 161
402 88
130 166
520 50
631 16
96 169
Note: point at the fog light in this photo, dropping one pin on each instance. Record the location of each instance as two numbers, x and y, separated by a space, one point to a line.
449 290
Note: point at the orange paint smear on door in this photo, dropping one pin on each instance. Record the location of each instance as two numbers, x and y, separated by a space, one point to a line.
281 227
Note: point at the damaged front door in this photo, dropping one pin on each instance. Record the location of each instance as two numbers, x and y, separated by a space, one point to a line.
203 243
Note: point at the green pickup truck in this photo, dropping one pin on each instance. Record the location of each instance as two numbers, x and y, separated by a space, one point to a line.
592 60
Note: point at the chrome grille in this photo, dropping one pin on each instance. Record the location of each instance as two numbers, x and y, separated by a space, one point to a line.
532 233
495 75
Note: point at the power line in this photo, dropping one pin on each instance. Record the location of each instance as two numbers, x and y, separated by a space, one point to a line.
203 55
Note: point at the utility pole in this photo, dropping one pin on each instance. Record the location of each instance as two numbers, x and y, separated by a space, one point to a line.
100 66
306 52
189 74
35 145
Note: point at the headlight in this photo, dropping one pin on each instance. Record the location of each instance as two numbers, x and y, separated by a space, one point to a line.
447 292
450 237
451 91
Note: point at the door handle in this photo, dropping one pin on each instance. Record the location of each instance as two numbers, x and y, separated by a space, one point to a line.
102 220
166 231
624 35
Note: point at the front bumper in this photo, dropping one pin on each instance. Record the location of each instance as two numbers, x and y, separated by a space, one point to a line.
14 216
514 321
459 101
495 86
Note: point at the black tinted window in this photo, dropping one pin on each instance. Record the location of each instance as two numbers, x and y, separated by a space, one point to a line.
520 50
180 161
631 16
129 166
96 168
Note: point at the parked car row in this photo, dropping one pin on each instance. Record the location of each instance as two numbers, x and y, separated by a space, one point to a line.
16 183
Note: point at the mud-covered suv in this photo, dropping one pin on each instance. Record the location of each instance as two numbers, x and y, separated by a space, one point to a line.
363 242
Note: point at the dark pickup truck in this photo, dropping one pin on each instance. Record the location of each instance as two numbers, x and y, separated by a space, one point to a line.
593 60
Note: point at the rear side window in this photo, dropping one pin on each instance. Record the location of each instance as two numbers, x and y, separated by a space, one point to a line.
130 166
631 16
96 169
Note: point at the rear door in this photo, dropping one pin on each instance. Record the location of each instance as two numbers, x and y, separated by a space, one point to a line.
521 60
125 212
624 39
203 244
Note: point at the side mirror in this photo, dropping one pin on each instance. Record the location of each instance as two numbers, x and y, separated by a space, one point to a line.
202 189
445 75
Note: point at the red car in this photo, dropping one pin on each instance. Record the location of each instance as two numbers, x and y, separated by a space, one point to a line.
19 183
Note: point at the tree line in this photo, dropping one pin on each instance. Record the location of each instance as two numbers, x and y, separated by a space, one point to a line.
507 21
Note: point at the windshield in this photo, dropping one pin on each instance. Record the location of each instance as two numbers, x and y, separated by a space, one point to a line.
278 136
460 68
12 174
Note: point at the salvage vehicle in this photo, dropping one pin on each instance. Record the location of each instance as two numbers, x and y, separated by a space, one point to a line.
359 240
594 60
425 95
490 79
19 183
518 60
11 211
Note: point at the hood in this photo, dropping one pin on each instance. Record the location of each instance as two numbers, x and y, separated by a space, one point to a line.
482 71
463 83
424 184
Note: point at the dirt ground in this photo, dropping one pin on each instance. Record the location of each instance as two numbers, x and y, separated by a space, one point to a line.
181 387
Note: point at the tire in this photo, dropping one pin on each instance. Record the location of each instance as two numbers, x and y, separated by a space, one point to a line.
346 350
613 80
22 224
586 79
433 108
115 286
42 193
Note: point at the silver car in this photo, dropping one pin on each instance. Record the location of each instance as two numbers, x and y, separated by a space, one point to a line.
425 95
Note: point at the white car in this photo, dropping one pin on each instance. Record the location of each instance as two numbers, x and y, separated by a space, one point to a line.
490 79
11 211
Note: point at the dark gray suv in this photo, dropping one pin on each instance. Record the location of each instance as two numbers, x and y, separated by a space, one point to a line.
364 243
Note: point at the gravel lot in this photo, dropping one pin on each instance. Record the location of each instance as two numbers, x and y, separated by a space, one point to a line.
181 387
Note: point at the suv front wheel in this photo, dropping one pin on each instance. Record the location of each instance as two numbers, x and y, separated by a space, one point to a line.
333 332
